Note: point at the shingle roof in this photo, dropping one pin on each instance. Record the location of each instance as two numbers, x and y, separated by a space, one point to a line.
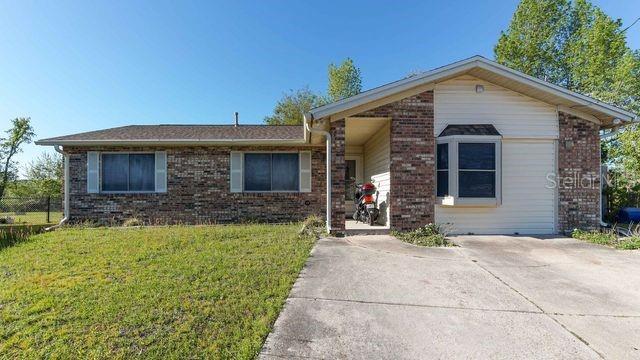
484 129
183 133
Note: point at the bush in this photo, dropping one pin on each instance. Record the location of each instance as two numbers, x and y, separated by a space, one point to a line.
313 226
6 220
15 234
609 237
432 235
132 222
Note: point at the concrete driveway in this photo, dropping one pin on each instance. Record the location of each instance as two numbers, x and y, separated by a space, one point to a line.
495 297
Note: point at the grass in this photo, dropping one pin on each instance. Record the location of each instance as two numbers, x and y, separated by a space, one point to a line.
430 235
169 292
33 218
608 238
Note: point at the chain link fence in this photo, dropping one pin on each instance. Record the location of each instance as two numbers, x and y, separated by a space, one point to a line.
30 210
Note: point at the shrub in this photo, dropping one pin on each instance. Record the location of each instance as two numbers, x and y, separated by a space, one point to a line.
313 226
6 220
132 222
429 235
609 237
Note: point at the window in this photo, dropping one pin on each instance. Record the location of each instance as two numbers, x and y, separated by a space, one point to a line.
477 170
123 172
442 179
271 172
468 170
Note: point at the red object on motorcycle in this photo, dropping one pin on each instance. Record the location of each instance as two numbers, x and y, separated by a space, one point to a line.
368 187
368 199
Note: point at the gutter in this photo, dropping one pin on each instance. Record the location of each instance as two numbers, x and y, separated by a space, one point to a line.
58 149
158 142
309 117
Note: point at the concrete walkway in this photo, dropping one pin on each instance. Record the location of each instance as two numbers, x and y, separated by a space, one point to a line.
493 297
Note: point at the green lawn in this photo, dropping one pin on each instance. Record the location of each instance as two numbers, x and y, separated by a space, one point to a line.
172 292
34 217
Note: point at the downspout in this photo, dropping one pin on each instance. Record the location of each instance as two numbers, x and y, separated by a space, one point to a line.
58 149
614 131
327 135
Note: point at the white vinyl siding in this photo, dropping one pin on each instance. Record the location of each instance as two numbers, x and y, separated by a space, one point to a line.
514 115
376 168
528 205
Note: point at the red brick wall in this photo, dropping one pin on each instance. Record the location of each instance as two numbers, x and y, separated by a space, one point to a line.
412 197
338 181
578 174
197 191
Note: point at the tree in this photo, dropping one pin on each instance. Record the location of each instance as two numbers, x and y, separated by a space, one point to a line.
45 175
290 109
20 133
533 42
344 80
575 45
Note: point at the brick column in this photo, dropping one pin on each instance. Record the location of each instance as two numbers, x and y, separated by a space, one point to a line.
578 174
337 176
413 163
412 146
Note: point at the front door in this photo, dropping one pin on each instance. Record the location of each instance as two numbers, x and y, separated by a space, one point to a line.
350 178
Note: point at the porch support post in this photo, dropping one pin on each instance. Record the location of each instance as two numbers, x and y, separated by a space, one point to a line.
337 131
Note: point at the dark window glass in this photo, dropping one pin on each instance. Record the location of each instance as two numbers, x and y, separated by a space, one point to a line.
115 172
142 172
443 183
285 172
443 156
477 156
442 180
477 184
257 172
128 172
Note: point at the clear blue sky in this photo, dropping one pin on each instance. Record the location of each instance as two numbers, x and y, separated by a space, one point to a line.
75 66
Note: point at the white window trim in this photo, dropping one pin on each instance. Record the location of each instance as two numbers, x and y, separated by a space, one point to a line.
244 190
453 199
127 191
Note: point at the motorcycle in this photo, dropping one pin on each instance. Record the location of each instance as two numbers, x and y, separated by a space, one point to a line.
366 207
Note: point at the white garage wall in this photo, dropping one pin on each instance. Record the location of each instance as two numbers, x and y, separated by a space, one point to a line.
513 114
530 130
528 205
376 168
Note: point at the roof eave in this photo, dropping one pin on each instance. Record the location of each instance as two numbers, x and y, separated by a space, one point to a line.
461 67
173 142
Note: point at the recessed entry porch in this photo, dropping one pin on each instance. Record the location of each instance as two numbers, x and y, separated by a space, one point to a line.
367 159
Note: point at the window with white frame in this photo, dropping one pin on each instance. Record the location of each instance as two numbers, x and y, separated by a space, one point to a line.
124 172
468 169
271 172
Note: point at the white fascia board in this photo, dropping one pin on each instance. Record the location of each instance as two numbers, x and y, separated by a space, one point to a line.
461 67
392 88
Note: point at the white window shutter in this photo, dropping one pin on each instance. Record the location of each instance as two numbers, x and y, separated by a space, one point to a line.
305 171
161 171
236 167
93 172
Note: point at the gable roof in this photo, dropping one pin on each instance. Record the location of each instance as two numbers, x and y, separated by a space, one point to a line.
182 134
490 71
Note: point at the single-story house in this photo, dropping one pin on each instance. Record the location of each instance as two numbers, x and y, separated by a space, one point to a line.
485 148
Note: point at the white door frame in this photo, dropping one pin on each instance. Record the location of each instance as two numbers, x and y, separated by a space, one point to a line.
359 170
